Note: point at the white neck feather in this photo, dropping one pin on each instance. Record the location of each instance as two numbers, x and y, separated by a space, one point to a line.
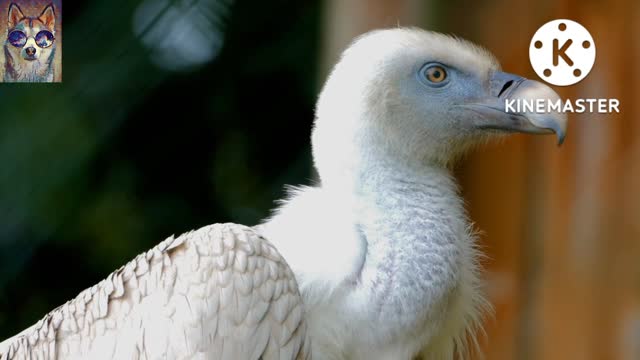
419 276
384 238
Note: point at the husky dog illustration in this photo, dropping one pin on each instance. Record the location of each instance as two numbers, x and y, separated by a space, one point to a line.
30 46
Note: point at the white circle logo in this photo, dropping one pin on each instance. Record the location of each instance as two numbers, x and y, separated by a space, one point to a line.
562 52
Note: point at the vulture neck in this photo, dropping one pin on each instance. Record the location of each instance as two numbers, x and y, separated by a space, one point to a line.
412 221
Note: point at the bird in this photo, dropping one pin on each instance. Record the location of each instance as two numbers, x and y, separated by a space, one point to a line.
376 260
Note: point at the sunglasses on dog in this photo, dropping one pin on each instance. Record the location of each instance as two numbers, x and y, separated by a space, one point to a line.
43 39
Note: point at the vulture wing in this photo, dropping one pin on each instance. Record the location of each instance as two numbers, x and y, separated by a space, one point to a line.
219 292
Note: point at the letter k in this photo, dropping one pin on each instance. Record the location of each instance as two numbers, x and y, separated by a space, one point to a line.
561 52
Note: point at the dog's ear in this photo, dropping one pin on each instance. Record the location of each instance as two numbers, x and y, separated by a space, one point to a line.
48 16
15 15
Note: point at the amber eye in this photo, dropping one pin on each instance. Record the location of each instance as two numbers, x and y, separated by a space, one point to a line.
435 74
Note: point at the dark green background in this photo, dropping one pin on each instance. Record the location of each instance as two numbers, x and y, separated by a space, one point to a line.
123 154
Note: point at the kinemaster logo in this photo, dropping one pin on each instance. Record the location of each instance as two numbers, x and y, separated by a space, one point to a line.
562 52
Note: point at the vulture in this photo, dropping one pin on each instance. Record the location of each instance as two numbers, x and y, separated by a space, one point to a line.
376 261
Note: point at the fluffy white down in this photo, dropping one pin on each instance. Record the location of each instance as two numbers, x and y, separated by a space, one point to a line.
382 249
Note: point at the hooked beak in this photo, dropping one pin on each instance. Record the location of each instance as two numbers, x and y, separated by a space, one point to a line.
500 109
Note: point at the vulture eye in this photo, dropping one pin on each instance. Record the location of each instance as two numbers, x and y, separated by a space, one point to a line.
435 74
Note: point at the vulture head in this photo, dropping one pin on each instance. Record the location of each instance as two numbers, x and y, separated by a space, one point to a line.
413 97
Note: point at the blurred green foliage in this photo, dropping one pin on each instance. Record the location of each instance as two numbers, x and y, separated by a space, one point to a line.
123 154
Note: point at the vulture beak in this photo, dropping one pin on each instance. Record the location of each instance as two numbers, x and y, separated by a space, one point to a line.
519 105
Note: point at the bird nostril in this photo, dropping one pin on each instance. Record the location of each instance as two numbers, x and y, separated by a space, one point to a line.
505 87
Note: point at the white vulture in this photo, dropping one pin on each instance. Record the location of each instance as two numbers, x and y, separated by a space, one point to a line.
375 262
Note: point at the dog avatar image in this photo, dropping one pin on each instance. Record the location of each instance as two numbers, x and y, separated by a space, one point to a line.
30 46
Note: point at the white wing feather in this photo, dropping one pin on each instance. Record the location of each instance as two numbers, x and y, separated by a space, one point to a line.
219 292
